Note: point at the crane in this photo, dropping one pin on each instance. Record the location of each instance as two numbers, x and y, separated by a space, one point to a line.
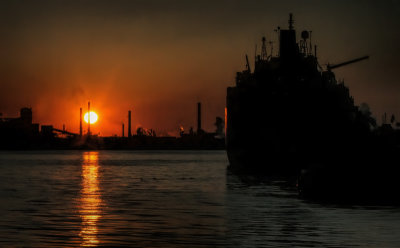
330 67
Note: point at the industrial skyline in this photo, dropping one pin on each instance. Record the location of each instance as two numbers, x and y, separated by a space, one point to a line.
159 58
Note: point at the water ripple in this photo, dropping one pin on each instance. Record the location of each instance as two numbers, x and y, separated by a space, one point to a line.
168 199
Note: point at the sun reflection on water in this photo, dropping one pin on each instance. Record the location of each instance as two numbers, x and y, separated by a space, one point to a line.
90 201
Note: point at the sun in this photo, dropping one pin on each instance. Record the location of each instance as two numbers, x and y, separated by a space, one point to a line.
93 117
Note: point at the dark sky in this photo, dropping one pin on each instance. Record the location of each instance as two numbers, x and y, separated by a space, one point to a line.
158 58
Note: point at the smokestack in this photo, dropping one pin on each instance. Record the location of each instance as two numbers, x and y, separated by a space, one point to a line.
80 121
88 129
129 124
123 130
198 116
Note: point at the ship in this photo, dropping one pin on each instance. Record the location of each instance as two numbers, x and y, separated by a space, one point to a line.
289 113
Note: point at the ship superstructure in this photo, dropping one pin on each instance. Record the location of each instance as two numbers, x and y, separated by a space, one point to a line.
289 112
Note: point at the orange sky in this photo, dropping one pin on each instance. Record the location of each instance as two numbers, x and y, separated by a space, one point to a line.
159 59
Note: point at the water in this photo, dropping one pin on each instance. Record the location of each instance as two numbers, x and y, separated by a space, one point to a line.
168 199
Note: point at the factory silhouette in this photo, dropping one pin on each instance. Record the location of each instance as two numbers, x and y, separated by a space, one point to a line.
22 133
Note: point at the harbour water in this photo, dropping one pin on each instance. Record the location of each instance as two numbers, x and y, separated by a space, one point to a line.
168 199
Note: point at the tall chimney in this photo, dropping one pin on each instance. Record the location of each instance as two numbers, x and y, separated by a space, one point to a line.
80 121
129 124
88 129
123 130
198 116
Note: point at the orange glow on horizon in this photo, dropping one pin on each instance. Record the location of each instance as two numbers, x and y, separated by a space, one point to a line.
162 114
93 117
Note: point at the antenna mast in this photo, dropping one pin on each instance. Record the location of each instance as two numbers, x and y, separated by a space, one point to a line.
263 49
291 21
247 64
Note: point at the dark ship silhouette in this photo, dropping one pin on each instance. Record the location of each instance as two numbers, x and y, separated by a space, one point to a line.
291 117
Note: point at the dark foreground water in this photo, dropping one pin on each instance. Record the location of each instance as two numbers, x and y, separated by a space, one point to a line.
168 199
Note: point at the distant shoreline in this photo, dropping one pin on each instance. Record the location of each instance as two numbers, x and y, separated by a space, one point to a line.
114 149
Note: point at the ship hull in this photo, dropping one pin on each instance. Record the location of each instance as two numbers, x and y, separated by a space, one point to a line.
255 144
280 131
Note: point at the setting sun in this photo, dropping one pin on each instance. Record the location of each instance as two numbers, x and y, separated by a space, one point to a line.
93 117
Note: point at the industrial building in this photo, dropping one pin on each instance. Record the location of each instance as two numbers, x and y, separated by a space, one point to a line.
21 133
19 130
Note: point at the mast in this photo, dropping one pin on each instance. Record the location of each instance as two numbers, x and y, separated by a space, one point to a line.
291 21
263 49
80 121
88 119
129 124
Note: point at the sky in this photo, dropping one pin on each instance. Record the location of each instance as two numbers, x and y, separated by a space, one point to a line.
158 58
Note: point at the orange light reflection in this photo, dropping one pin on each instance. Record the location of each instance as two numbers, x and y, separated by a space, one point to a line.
90 201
